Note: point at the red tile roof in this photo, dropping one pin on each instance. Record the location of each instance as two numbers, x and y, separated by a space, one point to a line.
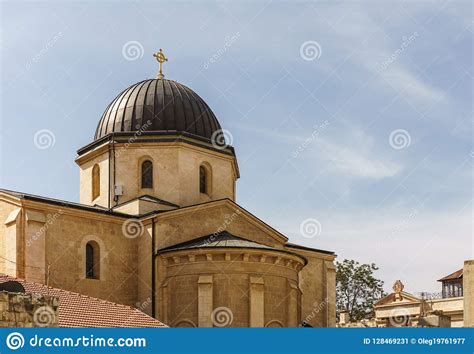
456 275
78 310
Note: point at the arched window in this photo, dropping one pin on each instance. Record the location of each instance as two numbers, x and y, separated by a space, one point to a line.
147 174
95 181
92 260
203 180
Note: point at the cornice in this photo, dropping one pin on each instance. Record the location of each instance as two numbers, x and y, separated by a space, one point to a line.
252 255
326 255
67 210
160 142
154 138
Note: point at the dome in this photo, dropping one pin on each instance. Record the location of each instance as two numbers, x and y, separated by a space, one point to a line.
168 105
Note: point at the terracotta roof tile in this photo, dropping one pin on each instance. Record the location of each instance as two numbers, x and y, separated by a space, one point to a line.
79 310
456 275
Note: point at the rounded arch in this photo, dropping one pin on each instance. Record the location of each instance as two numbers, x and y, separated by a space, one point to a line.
100 267
95 181
274 323
92 260
185 323
146 172
205 178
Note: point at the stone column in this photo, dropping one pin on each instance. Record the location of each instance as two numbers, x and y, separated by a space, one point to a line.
205 303
292 305
11 243
164 314
35 245
257 302
330 293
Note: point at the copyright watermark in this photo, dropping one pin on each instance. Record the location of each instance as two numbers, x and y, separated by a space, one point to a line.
132 50
15 341
310 50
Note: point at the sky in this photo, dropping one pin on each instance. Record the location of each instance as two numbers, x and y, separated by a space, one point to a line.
352 121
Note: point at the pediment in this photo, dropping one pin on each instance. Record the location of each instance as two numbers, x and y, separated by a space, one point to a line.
143 205
398 299
188 223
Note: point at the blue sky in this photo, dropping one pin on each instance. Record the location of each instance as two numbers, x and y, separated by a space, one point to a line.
311 93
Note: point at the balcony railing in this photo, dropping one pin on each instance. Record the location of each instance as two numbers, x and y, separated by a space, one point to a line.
429 295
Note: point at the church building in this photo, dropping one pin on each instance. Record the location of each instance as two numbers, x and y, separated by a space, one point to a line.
158 226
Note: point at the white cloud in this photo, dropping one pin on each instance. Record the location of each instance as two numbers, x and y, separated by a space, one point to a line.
356 160
410 244
410 86
348 153
365 39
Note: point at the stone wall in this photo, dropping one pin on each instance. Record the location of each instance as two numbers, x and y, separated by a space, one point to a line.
183 225
51 239
468 291
65 244
229 287
85 177
175 173
317 281
10 214
28 310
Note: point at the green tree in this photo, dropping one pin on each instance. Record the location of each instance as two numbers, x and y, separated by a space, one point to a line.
357 289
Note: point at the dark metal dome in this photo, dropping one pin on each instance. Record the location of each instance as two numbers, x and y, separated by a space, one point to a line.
168 105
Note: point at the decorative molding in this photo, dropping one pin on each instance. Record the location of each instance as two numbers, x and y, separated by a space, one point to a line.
72 211
13 216
185 143
205 279
32 215
264 256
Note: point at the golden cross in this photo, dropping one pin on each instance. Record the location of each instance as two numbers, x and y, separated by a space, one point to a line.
160 58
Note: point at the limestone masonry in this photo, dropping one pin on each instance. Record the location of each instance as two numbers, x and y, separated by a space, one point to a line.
158 226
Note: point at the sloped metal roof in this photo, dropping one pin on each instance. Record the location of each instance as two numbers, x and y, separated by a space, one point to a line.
168 105
222 239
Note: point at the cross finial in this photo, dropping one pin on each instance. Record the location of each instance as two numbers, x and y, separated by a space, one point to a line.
160 58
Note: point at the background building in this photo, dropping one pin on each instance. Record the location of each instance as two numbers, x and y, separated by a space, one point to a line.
452 307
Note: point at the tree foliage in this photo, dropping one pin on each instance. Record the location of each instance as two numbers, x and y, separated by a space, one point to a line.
357 288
